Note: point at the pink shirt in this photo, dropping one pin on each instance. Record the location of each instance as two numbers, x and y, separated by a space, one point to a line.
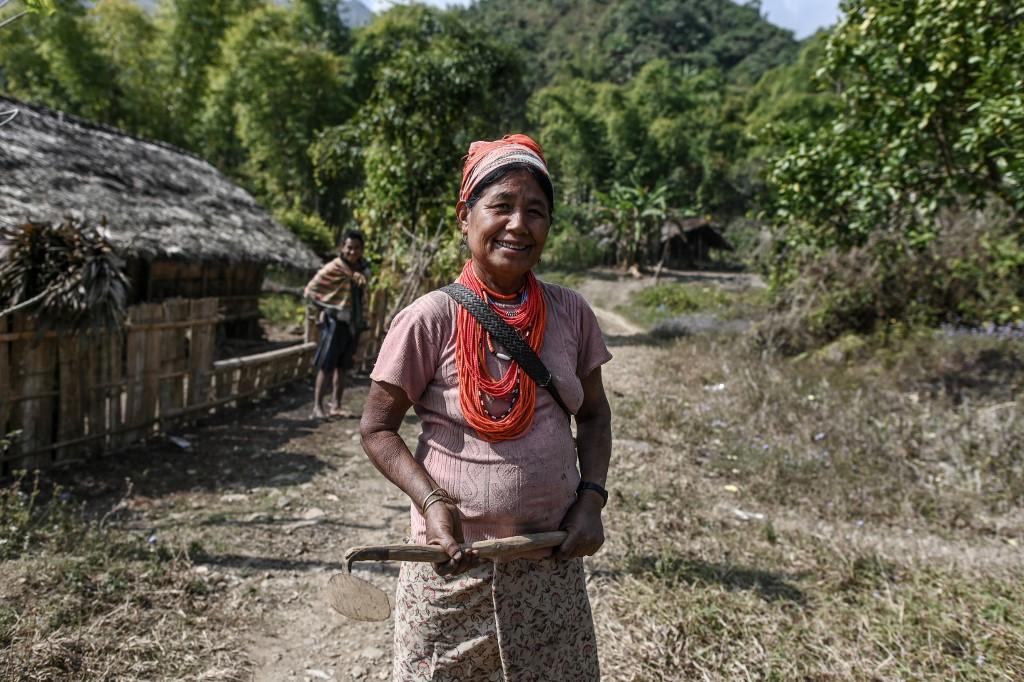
518 486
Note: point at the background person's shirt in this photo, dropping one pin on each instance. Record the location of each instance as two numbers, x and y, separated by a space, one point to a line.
332 286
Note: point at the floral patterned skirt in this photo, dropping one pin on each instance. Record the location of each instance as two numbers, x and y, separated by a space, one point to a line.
518 621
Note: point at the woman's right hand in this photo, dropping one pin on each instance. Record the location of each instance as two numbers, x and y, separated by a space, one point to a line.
445 529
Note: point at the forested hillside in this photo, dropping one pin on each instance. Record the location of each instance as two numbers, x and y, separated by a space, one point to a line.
890 145
611 40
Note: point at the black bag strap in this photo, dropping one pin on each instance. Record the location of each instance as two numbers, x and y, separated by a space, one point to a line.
507 337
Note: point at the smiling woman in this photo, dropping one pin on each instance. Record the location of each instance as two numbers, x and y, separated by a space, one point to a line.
500 444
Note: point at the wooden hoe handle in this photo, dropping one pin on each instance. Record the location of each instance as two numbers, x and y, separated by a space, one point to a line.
487 549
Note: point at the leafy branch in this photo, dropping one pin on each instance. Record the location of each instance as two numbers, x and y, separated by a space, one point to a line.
31 6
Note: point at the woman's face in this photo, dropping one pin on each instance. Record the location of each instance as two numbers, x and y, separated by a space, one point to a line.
506 229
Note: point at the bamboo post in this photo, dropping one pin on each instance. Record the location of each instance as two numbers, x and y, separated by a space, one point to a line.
311 332
174 361
33 365
97 395
151 374
5 385
113 363
201 349
73 389
143 364
377 320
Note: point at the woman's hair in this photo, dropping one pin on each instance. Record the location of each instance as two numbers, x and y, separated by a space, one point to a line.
499 173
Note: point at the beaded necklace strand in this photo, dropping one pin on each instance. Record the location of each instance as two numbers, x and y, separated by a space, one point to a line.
471 345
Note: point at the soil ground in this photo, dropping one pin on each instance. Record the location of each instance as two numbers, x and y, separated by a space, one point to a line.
268 500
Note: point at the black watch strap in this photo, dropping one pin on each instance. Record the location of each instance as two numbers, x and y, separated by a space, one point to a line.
599 489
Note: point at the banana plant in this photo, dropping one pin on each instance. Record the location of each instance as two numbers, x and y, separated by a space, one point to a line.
637 213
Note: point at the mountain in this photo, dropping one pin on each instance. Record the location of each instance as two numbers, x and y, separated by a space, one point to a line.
355 14
610 40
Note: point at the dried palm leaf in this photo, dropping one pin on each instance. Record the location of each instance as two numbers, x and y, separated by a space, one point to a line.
66 274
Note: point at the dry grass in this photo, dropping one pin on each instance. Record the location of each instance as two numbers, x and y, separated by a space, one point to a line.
852 515
95 600
826 518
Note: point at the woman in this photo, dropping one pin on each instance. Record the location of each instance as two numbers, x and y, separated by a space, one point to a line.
496 456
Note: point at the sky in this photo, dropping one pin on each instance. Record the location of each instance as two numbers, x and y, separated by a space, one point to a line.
803 17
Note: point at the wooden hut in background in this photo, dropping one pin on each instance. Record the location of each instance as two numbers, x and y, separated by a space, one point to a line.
196 247
688 241
183 228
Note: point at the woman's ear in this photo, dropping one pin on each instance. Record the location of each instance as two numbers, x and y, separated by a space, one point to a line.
462 213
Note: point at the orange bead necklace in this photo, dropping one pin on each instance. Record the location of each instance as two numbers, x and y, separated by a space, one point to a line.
472 343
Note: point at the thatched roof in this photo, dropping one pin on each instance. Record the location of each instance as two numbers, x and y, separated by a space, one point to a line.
158 201
690 227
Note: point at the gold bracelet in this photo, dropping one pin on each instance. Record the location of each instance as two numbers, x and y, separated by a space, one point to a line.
436 499
436 491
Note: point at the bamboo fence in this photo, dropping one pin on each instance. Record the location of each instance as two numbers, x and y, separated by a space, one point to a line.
75 396
72 397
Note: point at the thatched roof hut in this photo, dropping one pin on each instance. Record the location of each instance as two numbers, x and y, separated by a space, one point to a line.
182 226
158 201
688 241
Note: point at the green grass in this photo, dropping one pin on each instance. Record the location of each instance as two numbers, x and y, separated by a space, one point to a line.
672 299
567 278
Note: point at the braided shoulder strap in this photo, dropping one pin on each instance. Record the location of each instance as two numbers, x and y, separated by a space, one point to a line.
507 337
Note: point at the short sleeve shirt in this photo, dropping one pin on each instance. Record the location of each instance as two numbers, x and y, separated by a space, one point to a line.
518 486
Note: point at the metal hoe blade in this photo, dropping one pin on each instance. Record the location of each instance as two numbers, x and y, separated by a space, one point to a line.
357 599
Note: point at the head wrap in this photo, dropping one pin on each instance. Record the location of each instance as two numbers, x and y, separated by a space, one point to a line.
485 157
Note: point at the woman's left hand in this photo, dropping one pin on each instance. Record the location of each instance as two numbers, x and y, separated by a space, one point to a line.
584 527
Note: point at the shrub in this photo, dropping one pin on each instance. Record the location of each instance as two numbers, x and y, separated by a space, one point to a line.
571 245
282 310
971 273
310 228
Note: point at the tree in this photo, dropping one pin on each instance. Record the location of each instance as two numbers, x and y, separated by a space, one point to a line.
55 59
124 36
269 96
637 213
29 6
664 127
907 208
33 6
190 36
574 138
932 115
434 85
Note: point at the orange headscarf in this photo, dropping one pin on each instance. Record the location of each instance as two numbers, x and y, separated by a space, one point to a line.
485 156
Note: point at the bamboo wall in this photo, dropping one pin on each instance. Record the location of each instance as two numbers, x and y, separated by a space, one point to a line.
76 396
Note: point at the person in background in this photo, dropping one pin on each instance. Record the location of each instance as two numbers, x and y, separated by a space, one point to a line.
339 291
496 456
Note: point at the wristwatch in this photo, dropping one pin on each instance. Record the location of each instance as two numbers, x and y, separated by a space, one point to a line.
599 489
